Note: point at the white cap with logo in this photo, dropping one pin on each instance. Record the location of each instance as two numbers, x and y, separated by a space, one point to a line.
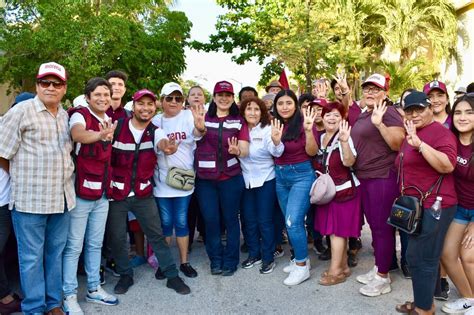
52 68
169 88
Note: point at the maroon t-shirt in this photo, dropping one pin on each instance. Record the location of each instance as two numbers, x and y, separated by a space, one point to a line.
295 150
464 176
374 156
418 172
117 114
353 113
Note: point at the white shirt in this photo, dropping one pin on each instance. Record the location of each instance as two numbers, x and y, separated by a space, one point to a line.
180 128
4 188
259 166
78 118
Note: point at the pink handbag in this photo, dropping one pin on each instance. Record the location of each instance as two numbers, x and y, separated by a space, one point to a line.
323 189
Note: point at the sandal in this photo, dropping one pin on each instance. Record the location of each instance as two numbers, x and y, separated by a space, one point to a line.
407 308
347 273
328 279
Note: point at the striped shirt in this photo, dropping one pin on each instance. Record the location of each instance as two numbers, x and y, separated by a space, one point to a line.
38 146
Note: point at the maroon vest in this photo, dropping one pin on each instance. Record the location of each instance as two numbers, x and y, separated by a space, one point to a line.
92 162
212 156
132 164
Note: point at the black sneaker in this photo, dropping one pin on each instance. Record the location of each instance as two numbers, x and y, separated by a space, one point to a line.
250 262
216 271
124 283
355 243
406 272
443 295
267 267
352 259
111 267
188 270
178 285
159 275
326 255
279 252
319 246
102 275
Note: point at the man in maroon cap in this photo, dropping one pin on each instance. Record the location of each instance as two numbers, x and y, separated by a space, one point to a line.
136 141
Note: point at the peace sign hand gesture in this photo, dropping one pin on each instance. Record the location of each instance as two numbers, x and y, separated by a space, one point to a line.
233 146
378 112
309 115
412 137
344 131
277 131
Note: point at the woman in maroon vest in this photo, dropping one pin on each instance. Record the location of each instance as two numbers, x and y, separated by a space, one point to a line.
219 177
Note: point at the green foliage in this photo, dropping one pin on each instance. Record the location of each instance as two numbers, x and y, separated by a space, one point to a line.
141 37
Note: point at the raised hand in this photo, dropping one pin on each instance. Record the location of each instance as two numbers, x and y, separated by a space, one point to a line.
412 137
277 131
233 146
198 115
344 131
107 129
341 79
168 146
377 113
321 88
309 114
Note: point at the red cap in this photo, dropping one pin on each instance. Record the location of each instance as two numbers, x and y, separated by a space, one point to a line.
318 102
138 95
223 86
434 85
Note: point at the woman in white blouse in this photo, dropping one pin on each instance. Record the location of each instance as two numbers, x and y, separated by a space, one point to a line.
259 197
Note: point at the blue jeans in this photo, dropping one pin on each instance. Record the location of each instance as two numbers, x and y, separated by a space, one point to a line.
87 222
257 208
463 215
174 214
226 193
41 240
293 183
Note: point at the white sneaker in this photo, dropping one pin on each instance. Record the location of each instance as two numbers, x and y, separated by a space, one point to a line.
100 296
376 287
368 277
470 311
297 275
459 306
70 305
292 265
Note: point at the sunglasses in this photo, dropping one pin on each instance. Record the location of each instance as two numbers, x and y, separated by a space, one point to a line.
47 83
177 99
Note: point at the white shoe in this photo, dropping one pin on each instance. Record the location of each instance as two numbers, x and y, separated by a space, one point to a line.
70 305
100 296
376 287
459 306
470 311
368 277
292 265
297 275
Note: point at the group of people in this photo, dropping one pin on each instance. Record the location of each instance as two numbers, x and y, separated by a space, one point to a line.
79 177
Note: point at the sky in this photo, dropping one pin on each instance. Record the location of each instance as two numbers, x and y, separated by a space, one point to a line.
209 68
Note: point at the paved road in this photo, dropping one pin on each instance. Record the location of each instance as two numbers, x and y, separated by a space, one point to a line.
249 292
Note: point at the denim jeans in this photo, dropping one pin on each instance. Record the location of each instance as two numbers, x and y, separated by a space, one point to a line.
293 183
87 223
423 254
258 207
174 214
226 193
146 212
278 222
41 240
5 229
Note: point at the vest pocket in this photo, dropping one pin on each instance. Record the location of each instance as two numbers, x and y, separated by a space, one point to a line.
206 164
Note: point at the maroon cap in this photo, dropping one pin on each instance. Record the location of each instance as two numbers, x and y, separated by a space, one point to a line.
435 85
223 86
318 102
138 95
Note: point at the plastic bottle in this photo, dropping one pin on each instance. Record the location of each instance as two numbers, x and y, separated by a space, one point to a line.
435 209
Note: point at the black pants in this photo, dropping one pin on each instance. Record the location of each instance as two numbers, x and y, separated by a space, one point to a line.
423 254
5 229
146 212
195 219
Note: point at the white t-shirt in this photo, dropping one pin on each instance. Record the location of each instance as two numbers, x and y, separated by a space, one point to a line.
4 188
78 118
180 128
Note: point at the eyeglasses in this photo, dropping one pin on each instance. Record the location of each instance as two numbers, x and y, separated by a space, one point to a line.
177 99
371 90
47 83
415 109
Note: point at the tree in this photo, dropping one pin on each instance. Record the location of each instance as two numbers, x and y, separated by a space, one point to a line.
142 37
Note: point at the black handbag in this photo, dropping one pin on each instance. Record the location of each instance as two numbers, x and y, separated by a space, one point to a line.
407 211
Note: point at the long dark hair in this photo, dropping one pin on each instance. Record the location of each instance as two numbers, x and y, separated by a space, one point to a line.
294 122
212 111
264 117
470 100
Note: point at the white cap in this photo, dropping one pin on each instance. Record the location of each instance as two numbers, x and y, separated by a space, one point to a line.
169 88
52 68
129 106
378 80
80 101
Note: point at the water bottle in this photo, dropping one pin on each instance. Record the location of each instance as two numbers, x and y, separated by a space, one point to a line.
435 209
